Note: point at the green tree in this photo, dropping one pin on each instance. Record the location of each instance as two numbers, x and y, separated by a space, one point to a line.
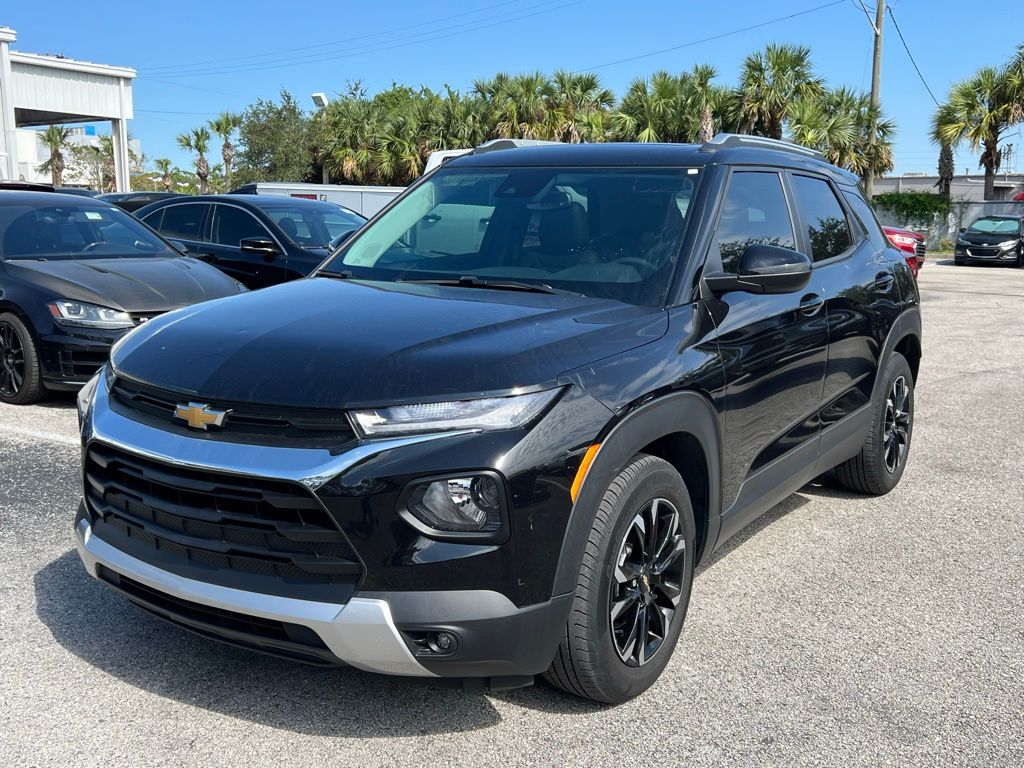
274 142
224 127
575 99
198 141
163 167
770 82
979 110
55 137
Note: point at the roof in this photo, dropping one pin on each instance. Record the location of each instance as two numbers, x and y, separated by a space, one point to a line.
637 154
256 201
13 197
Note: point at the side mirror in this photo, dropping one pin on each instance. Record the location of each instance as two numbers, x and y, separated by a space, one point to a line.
765 269
342 238
179 246
261 246
963 229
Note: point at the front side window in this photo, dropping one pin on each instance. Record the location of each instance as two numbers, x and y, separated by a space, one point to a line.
314 225
75 231
996 225
232 225
827 228
602 232
181 221
754 212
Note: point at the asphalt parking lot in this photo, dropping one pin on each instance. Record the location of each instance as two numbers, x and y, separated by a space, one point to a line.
837 630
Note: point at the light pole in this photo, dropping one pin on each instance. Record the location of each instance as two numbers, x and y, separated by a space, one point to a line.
321 101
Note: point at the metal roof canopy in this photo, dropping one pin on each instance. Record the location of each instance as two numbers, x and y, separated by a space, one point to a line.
44 90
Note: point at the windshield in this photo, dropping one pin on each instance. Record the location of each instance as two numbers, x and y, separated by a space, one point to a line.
996 225
602 232
74 230
315 225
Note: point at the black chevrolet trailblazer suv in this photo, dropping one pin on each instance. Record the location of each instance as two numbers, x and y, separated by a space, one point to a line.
495 434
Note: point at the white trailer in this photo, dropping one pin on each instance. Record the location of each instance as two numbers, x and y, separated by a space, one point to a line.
363 200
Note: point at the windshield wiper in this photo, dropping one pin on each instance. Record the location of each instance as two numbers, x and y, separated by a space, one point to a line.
471 281
343 275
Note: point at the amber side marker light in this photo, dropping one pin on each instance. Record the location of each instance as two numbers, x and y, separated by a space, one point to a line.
588 459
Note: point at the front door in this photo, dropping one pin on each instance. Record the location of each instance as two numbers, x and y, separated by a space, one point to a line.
773 348
231 225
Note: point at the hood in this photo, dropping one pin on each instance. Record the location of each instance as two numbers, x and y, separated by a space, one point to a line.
149 284
331 343
982 238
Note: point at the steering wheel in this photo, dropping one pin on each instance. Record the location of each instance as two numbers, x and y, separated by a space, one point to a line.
93 246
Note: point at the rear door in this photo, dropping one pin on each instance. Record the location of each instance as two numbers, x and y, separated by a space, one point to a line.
230 225
184 222
773 348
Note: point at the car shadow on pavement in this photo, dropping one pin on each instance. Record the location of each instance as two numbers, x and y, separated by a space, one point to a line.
106 631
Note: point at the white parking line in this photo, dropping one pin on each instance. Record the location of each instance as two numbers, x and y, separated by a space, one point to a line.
38 434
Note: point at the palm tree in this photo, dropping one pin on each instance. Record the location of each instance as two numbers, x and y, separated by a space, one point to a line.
978 110
946 169
574 100
198 141
650 110
55 138
771 81
163 167
522 107
703 98
224 127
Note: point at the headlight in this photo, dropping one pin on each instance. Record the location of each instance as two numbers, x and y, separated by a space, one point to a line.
1008 244
961 241
487 414
468 506
79 314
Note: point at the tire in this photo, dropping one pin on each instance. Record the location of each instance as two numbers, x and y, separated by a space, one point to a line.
878 467
595 659
1020 256
20 379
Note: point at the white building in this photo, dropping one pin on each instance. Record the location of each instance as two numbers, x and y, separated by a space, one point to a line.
32 153
966 187
40 90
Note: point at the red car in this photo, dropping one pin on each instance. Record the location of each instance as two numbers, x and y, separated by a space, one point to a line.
911 243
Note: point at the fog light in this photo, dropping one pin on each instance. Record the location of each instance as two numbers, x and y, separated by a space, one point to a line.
468 505
442 642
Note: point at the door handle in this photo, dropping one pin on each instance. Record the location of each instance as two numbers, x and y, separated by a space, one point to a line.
884 281
210 258
811 304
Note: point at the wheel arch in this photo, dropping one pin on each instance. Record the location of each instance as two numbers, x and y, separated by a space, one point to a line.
904 337
681 428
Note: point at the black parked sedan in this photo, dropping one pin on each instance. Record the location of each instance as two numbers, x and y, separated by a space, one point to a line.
133 201
258 240
75 275
992 239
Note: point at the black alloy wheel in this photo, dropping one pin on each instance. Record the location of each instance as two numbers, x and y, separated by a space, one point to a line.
647 582
897 424
12 361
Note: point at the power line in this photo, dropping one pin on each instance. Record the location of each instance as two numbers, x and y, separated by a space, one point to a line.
715 37
192 64
911 57
399 42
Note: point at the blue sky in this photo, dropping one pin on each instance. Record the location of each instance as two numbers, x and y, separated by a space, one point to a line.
195 59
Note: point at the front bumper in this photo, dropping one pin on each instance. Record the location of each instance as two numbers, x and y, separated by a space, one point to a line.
68 360
495 597
361 633
990 254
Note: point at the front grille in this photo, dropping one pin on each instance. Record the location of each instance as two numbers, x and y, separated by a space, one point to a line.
249 533
279 638
982 253
246 422
81 363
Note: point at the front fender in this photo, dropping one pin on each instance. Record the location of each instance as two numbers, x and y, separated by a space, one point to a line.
686 412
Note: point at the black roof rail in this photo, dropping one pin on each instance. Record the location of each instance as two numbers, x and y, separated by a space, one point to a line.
723 140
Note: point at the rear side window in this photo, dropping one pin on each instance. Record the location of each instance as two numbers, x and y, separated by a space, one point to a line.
827 228
232 225
754 212
183 221
867 219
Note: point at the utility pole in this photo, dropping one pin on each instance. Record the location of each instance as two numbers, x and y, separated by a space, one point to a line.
876 83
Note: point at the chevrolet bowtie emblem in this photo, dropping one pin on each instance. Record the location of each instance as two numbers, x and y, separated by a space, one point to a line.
200 415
